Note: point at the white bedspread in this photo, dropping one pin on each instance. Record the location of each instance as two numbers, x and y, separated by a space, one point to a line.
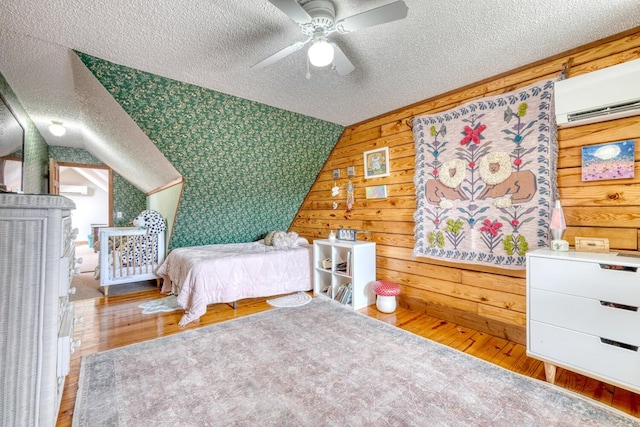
203 275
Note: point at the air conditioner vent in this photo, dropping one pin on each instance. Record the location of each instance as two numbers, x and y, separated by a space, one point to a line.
606 111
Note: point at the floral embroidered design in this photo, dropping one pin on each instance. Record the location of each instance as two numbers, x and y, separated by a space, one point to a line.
436 149
436 239
491 233
455 231
472 153
473 135
517 133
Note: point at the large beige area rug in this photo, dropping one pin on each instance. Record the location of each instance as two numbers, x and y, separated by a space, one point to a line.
316 365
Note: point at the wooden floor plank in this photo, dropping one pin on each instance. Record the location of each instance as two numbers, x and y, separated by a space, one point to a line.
116 321
571 381
509 355
599 391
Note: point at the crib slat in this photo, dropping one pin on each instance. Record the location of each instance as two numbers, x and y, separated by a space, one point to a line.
154 252
114 258
134 253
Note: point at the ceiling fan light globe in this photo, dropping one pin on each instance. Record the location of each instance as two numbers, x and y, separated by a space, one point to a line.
321 54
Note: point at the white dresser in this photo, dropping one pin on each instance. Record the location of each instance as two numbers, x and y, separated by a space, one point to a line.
36 317
582 314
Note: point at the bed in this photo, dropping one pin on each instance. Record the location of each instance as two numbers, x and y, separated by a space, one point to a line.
128 254
226 273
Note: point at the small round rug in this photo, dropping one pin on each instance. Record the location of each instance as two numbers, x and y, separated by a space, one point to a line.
162 305
293 300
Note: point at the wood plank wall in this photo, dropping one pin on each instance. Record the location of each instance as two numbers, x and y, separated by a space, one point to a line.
487 299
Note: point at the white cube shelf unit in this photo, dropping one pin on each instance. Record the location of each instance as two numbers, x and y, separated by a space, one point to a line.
583 314
347 265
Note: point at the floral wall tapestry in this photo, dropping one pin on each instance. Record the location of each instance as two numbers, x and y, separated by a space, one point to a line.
485 178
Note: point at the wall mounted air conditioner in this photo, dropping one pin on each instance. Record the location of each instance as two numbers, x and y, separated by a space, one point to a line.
74 189
607 94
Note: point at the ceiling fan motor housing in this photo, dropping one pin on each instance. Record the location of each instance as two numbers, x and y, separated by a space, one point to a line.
323 17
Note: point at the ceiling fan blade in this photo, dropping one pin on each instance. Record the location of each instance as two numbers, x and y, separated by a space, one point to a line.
293 10
279 55
341 62
380 15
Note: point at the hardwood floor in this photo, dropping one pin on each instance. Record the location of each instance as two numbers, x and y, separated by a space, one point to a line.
117 321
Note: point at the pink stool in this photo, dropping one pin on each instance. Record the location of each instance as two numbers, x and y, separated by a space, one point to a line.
386 292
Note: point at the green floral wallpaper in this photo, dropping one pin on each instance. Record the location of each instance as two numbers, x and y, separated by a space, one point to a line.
126 198
35 147
248 166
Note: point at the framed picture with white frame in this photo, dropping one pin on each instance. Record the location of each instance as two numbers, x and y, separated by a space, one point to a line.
376 163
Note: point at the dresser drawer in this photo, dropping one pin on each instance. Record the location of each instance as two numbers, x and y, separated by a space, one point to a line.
584 353
66 275
595 280
65 341
606 319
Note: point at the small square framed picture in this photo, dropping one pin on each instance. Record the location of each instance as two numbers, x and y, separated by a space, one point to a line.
376 163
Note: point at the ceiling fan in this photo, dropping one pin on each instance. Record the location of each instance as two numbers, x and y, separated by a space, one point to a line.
317 20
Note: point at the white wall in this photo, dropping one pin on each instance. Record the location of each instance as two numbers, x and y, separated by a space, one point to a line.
90 209
166 202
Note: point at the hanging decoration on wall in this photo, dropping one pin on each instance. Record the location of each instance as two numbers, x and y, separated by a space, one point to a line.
351 200
335 190
614 160
485 178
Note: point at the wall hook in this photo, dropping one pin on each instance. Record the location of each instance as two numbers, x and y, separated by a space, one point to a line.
566 68
409 122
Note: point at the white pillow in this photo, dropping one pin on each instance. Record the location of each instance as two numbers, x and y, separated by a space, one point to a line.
282 239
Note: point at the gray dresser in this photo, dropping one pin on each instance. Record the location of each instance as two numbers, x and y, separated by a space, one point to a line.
36 318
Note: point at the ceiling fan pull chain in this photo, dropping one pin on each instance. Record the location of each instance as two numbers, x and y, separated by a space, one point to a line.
308 76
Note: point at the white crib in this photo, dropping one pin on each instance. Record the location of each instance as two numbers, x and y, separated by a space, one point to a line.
118 262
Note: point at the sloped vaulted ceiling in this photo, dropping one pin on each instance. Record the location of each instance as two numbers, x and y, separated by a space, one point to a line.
58 85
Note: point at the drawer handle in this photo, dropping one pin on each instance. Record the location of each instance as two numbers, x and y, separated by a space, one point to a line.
619 344
620 306
618 267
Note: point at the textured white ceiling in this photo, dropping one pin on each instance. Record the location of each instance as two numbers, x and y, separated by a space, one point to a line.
441 45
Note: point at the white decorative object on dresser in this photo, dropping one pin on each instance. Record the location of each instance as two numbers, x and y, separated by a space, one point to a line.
36 318
343 271
582 314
